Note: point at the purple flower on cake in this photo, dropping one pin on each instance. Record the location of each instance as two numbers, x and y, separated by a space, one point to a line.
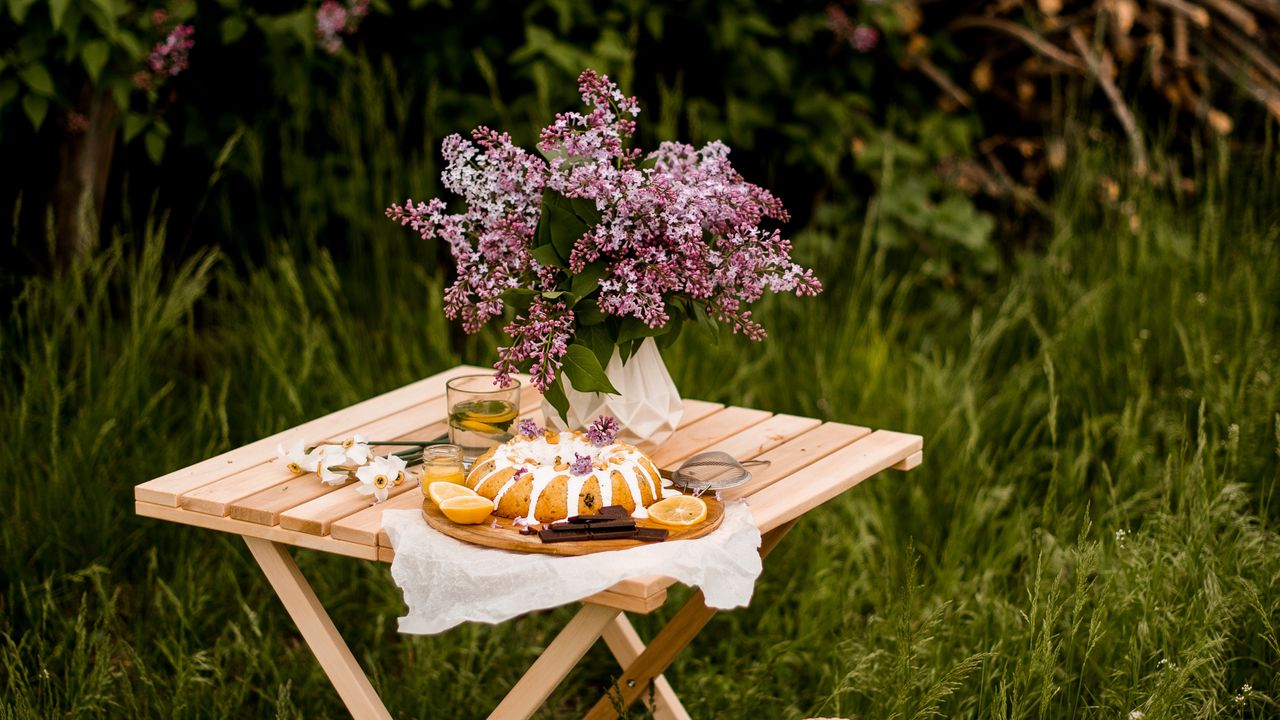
529 428
602 431
581 464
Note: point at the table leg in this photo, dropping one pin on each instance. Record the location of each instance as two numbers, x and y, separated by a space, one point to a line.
673 638
625 644
318 630
554 664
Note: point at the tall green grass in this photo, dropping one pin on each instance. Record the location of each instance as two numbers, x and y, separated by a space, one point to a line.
1093 533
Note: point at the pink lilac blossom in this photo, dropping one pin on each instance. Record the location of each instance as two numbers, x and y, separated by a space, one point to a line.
172 55
603 430
683 224
334 19
541 338
529 428
581 464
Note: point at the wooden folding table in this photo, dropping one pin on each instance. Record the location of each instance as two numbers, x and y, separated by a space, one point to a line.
249 492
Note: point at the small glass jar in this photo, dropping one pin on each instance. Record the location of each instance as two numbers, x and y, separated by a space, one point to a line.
442 463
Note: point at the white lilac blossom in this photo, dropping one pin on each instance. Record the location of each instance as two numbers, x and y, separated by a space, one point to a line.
380 475
678 225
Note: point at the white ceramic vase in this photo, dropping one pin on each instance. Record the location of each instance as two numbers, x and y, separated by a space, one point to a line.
648 406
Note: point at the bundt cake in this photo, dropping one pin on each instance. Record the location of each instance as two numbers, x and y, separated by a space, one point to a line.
546 476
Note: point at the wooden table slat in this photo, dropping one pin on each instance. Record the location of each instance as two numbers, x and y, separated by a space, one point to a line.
696 435
764 436
363 527
817 483
795 454
168 489
277 534
264 507
216 498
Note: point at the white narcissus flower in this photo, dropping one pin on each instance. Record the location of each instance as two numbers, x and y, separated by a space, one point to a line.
298 460
357 450
379 475
333 461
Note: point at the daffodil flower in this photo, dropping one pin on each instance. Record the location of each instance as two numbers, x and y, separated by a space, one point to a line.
379 475
333 470
357 450
298 459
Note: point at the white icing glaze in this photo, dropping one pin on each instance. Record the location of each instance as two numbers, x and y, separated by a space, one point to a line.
542 470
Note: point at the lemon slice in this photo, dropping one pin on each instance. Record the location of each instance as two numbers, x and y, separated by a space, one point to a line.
467 509
501 416
678 511
441 491
480 427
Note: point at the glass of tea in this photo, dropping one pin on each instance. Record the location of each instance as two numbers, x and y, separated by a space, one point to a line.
480 413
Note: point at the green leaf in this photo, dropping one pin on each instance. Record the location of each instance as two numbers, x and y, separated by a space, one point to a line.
587 312
585 282
564 226
598 339
120 89
36 107
233 28
707 322
585 371
38 79
554 394
133 124
18 9
8 90
132 46
674 325
57 11
634 328
519 298
94 56
547 257
155 145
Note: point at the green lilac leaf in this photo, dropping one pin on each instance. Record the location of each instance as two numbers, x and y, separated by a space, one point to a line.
35 107
586 282
57 11
554 394
94 56
37 78
585 371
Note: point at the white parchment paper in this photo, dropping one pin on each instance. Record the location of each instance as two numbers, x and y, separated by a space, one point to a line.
447 582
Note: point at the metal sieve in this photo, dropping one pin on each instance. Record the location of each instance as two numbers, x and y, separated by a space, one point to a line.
712 470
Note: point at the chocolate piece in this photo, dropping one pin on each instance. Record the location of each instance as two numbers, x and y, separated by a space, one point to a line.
651 534
549 536
605 514
529 529
605 524
616 511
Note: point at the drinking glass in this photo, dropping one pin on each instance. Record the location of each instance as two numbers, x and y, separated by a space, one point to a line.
480 413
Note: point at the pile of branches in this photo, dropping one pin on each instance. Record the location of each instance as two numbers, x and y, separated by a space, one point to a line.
1195 55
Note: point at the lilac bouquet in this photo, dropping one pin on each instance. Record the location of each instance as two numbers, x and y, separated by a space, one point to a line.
596 246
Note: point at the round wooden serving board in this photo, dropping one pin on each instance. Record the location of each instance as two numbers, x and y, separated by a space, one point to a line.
507 536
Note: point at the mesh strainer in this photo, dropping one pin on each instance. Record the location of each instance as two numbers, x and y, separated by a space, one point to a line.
713 470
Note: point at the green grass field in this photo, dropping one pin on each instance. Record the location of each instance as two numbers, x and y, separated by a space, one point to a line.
1093 533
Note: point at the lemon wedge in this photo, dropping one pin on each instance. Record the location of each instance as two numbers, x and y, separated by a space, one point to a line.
440 491
467 509
678 511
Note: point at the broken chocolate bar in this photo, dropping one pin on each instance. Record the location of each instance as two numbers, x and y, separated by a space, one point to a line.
606 524
605 514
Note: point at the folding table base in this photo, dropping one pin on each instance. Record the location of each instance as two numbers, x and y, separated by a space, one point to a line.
642 666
